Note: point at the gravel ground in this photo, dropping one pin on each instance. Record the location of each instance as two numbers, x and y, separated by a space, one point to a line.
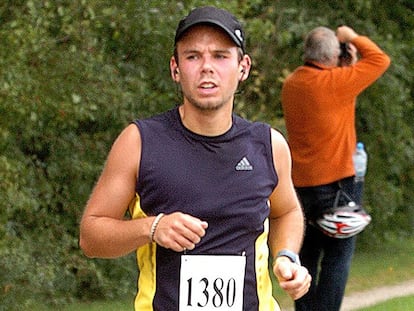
374 296
356 301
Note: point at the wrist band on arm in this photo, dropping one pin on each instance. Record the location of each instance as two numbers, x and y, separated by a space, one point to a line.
154 226
293 257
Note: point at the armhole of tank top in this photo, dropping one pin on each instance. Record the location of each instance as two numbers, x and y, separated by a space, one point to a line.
272 163
138 127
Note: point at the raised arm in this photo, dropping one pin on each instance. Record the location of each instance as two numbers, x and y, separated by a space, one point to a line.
370 66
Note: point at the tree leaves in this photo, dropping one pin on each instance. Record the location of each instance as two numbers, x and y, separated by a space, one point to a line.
74 73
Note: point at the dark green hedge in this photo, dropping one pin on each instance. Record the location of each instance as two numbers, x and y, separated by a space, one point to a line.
74 73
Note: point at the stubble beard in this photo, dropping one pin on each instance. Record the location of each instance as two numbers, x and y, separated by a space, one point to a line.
209 105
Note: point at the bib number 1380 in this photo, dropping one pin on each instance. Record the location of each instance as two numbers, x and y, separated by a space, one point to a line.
212 282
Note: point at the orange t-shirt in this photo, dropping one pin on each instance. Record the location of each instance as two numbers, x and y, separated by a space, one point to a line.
319 109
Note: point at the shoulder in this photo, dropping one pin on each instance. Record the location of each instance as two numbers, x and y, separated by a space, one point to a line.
264 130
127 145
281 151
279 142
161 119
253 126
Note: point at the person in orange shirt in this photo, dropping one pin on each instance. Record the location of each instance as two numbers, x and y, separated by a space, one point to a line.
318 101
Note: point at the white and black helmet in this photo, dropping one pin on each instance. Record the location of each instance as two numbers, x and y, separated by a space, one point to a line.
343 221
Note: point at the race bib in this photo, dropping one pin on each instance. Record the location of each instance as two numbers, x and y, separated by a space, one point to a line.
210 282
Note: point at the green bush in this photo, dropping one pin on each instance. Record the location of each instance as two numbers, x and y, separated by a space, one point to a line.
74 73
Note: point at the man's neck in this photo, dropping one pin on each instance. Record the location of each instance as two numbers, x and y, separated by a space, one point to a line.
206 122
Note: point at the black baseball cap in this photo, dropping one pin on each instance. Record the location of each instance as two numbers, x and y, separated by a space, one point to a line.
215 16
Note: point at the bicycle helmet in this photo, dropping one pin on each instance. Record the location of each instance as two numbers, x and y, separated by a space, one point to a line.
343 221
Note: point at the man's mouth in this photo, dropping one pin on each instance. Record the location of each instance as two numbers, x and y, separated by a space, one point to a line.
207 85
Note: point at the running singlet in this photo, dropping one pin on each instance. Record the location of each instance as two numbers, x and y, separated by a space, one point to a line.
225 180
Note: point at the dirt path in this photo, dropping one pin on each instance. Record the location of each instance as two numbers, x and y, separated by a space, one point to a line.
377 295
356 301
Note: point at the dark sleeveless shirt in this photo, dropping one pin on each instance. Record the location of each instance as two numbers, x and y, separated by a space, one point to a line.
225 180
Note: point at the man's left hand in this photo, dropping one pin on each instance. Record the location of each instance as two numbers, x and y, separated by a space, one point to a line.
293 278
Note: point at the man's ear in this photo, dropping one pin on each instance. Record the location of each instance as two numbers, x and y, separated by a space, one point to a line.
174 70
245 65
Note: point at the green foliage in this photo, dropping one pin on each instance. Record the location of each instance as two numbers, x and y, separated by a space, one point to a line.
74 73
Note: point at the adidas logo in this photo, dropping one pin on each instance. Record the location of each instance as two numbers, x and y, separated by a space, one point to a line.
244 165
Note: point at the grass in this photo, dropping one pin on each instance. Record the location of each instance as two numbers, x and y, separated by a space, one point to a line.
99 306
388 265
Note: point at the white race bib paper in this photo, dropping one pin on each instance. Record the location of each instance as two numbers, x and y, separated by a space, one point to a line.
210 282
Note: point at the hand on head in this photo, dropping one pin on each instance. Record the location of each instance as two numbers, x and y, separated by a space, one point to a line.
345 34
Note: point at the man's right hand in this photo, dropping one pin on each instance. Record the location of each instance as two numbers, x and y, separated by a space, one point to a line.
179 231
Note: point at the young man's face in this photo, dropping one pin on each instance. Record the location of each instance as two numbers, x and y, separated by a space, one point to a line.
209 67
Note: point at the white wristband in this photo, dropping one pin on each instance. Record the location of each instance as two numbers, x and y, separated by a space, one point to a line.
154 226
